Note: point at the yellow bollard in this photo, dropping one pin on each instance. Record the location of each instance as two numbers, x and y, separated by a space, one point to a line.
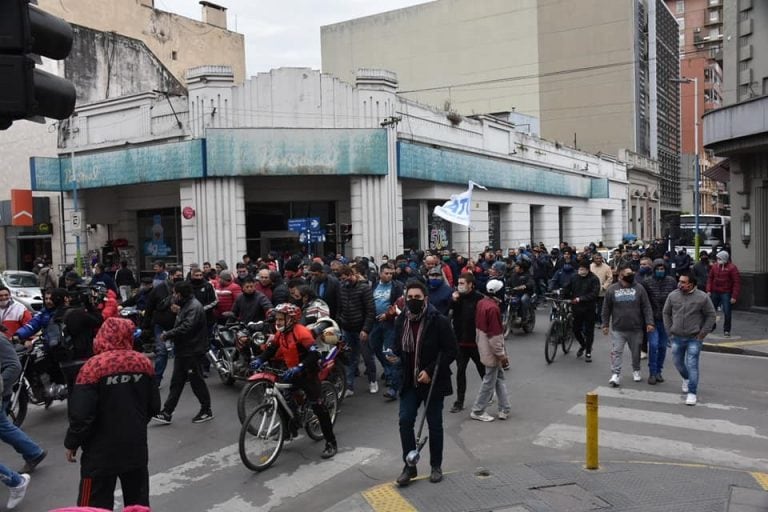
592 458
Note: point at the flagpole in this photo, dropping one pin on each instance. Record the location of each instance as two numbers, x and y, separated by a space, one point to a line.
469 244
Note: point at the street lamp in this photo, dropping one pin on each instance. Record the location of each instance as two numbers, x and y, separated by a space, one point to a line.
697 178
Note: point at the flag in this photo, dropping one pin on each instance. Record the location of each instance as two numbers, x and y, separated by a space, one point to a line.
458 209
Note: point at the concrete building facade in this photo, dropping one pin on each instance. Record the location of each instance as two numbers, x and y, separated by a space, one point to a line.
295 143
595 72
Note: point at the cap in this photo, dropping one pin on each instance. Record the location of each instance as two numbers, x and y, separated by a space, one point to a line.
500 267
493 286
434 271
292 265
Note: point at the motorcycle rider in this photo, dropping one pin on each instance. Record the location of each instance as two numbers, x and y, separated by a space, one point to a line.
12 314
251 306
294 345
522 286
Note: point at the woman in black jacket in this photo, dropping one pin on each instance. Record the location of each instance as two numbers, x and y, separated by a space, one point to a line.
421 334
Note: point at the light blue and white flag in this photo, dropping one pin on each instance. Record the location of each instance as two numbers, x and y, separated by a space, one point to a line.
458 209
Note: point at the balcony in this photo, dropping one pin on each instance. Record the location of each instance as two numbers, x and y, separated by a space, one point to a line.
714 18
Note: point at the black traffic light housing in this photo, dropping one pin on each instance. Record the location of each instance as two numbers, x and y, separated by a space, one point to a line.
346 233
25 91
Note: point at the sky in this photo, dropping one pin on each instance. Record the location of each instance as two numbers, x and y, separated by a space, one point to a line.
284 32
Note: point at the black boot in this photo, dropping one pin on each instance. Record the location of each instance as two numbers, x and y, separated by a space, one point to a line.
436 475
458 406
406 476
330 450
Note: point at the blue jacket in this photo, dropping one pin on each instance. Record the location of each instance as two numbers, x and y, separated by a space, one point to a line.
441 298
39 321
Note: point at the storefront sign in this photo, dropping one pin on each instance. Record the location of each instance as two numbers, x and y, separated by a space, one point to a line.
188 212
21 208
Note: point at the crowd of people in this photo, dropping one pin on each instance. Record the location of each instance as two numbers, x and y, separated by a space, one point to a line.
415 314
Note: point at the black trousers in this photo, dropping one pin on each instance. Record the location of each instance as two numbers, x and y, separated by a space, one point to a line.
463 357
98 489
584 327
187 368
310 383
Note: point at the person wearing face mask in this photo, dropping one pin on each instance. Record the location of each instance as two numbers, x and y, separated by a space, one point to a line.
160 315
724 286
422 335
190 337
682 262
688 317
13 314
583 291
463 308
646 268
628 311
701 271
440 294
658 286
357 314
562 277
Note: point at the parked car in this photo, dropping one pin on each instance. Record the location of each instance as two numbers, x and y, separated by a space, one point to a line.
24 288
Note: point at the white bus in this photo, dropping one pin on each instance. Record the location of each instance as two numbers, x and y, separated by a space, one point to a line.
715 232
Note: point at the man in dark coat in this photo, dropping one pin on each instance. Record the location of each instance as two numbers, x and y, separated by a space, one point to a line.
326 286
423 339
465 301
114 397
357 314
190 339
583 290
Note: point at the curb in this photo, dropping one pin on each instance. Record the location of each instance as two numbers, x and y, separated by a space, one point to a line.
714 347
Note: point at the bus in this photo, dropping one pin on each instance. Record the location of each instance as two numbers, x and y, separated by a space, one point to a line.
715 232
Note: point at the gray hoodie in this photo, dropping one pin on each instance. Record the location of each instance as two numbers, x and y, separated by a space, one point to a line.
689 315
627 308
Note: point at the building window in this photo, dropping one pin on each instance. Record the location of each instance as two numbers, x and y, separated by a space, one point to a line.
681 23
714 33
680 7
411 223
174 55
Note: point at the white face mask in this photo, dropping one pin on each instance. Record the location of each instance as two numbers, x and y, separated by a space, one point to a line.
462 288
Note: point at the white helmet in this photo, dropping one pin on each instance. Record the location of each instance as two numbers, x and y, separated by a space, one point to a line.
493 286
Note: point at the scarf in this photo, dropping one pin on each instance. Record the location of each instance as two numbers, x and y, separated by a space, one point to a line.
412 344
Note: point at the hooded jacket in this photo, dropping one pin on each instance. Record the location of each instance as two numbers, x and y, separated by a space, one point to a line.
112 401
658 290
724 278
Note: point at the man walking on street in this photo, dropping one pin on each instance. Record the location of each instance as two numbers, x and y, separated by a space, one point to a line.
463 307
723 286
490 344
357 314
688 317
658 286
583 290
382 337
113 399
605 275
190 338
628 311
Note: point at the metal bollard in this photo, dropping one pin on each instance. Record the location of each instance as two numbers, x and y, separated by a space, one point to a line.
592 428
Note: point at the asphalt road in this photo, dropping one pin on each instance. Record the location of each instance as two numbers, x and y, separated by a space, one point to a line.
197 467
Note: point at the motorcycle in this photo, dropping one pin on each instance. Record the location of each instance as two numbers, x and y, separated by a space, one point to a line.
233 347
33 387
511 317
140 344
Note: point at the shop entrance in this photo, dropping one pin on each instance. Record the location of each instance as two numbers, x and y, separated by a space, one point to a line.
266 227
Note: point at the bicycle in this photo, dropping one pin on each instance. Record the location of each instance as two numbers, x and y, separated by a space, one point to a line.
560 332
285 409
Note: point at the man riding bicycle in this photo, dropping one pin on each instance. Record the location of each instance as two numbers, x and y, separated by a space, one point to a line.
294 345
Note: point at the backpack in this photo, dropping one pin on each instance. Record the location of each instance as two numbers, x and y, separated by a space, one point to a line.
57 336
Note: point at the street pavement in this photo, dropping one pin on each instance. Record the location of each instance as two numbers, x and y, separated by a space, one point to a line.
197 467
749 335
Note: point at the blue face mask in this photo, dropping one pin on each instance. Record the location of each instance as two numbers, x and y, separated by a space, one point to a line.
644 271
434 283
567 268
660 274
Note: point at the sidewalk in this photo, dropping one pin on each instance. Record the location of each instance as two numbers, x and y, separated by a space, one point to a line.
567 486
749 334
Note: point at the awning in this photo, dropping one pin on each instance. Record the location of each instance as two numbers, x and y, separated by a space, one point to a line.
719 172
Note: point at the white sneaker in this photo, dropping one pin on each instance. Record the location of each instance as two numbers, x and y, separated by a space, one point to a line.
636 376
484 416
373 387
685 386
643 355
16 494
690 399
503 415
615 380
348 393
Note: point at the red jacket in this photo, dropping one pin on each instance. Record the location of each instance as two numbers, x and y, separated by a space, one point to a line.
226 296
724 279
488 317
109 306
14 316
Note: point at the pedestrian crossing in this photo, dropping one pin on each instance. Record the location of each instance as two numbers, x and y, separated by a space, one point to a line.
658 425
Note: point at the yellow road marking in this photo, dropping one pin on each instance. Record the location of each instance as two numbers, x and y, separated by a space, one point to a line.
748 343
385 498
762 479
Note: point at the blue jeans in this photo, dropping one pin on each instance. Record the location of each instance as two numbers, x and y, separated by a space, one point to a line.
355 348
410 400
685 353
9 477
723 300
14 436
161 355
381 338
657 348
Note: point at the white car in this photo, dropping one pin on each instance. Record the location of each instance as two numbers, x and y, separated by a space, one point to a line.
24 288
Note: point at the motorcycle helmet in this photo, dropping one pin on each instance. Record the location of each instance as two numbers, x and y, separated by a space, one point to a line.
292 315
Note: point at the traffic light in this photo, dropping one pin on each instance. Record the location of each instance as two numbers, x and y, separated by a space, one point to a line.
346 233
330 233
25 91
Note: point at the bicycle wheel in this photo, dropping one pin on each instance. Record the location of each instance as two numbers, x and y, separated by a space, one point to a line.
338 378
262 436
531 322
567 338
328 394
506 320
251 396
551 341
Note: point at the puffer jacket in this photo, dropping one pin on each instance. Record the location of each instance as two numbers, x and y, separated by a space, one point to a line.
658 290
724 279
357 311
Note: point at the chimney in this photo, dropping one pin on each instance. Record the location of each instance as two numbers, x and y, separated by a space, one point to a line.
215 15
